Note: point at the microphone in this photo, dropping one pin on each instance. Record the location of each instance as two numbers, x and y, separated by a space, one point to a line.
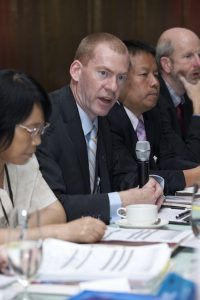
143 152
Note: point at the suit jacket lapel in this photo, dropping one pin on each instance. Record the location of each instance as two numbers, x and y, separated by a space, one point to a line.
103 155
149 128
167 97
75 131
130 130
187 111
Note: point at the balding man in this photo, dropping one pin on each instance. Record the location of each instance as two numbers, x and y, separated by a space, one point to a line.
178 55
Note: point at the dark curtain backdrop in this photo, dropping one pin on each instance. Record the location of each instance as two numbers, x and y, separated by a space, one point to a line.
40 36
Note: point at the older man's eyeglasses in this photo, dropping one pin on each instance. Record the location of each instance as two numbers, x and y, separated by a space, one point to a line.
40 130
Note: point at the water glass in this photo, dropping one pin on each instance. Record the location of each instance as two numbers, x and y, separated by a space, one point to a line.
24 247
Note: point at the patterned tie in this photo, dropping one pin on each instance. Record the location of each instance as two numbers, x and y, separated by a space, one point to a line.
92 147
140 130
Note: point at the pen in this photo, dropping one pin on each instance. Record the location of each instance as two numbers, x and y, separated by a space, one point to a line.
179 222
183 214
173 206
187 218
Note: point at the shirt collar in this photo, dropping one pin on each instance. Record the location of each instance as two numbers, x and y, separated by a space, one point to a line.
86 122
175 98
134 120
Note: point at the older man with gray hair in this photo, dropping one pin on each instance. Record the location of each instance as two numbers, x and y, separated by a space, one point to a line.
178 57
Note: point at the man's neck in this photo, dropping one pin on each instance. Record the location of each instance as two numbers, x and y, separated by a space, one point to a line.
133 109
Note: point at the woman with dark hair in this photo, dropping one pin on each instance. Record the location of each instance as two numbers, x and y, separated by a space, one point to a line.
24 112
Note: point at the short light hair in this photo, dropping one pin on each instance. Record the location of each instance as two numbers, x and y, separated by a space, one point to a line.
85 50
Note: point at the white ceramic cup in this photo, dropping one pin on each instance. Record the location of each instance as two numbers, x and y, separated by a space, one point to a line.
139 214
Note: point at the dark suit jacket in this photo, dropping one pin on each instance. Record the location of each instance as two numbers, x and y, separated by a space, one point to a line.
124 142
187 146
64 161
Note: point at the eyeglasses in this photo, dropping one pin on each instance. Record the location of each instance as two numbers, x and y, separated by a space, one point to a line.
36 130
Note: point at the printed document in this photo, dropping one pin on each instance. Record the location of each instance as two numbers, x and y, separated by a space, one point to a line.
65 261
145 235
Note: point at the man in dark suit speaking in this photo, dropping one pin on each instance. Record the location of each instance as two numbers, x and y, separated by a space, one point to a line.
76 153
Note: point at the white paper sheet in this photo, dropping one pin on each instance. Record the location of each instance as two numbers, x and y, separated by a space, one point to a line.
110 285
170 214
191 241
65 261
144 235
6 280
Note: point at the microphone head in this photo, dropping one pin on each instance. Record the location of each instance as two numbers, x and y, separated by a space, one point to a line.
143 150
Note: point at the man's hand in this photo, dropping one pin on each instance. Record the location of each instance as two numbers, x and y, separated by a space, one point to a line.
3 261
193 92
150 193
156 191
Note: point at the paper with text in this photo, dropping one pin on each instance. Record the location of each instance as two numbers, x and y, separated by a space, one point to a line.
144 235
64 261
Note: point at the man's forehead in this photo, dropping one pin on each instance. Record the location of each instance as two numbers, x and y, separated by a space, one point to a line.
187 45
107 57
107 49
141 59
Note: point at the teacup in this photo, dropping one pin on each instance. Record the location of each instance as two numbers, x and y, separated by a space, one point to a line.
139 214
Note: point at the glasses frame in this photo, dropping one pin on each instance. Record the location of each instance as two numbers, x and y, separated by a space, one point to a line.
40 130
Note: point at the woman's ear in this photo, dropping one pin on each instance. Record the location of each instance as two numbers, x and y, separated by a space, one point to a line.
166 64
75 70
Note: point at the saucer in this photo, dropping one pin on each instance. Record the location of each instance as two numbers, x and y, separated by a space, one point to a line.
124 224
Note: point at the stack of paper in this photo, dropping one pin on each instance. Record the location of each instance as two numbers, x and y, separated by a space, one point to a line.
188 192
64 261
178 200
145 235
175 215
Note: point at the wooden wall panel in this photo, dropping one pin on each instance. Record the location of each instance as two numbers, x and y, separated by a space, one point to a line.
191 15
40 36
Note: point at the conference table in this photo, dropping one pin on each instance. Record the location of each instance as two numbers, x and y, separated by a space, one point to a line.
184 262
